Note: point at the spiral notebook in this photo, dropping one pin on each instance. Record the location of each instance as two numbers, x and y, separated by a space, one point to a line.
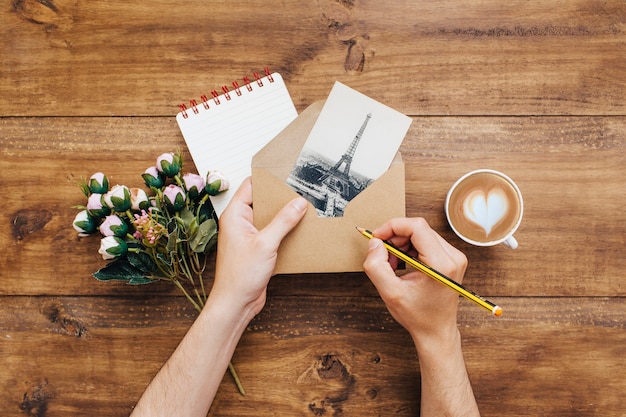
224 131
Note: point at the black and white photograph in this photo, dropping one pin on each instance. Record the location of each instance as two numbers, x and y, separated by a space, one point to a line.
352 143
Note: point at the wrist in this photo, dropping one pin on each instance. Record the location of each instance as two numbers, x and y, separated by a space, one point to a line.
446 389
443 340
226 317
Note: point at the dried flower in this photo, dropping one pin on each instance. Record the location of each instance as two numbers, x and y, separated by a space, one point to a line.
139 199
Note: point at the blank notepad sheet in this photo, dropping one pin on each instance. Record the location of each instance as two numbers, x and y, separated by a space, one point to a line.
224 132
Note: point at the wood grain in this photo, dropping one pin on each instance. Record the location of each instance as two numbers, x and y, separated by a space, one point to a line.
535 89
67 57
328 356
571 239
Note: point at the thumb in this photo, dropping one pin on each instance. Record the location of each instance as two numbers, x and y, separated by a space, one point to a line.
285 220
376 264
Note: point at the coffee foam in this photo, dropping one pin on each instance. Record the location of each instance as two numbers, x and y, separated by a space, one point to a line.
484 207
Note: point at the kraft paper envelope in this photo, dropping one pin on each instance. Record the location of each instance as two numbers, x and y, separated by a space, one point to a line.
320 244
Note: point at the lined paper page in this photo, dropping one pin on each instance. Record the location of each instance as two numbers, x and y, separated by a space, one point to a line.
226 136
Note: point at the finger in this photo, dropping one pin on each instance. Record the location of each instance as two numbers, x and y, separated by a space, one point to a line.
285 220
239 205
403 230
386 232
244 192
428 244
457 257
376 265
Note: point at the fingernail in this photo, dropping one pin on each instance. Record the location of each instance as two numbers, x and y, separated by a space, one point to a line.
300 203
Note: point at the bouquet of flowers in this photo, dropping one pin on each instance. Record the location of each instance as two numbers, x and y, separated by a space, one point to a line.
164 234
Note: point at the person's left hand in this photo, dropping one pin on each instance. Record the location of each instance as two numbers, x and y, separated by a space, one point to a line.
246 257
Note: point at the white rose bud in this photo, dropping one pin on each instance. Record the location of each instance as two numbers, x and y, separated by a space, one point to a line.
216 183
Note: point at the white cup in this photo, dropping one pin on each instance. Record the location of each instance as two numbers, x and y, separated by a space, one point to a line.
482 200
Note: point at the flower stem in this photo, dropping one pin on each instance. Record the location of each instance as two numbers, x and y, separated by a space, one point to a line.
200 270
233 372
180 287
184 267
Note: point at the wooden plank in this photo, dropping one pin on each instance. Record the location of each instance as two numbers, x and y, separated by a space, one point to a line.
422 58
306 356
570 170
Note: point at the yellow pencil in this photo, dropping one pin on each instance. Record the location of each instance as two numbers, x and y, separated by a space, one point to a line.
421 266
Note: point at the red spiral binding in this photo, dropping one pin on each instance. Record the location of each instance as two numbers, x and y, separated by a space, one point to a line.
205 100
216 96
226 93
236 87
183 110
257 77
246 82
193 104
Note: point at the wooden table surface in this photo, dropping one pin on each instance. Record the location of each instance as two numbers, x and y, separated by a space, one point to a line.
536 89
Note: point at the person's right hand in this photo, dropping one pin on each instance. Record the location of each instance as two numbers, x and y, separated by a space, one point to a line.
423 306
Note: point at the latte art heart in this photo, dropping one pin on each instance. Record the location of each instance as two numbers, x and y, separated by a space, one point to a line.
485 210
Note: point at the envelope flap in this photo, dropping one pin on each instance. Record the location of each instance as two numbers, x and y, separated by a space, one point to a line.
284 149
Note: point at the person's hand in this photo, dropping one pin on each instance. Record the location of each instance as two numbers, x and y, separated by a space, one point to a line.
425 307
246 257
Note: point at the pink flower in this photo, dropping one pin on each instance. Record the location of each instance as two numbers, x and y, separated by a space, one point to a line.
174 197
148 230
113 226
153 177
95 206
194 184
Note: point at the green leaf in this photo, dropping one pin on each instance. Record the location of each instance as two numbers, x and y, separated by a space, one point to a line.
84 187
205 238
206 211
189 222
187 217
141 281
142 261
163 258
122 270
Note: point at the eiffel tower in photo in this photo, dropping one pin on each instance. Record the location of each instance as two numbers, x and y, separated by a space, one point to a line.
338 178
